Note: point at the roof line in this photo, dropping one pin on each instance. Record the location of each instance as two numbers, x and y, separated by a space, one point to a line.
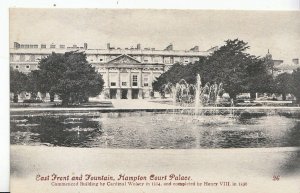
124 55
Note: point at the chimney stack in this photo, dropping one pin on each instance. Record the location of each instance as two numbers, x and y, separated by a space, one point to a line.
138 46
85 46
108 46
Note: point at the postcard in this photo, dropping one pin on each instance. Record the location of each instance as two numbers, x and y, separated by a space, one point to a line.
154 100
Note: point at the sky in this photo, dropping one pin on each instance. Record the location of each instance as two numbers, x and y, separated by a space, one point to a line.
278 31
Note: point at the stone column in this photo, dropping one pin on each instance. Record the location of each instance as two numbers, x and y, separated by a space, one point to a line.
119 79
140 93
140 84
107 78
151 79
129 94
118 93
106 94
140 79
129 85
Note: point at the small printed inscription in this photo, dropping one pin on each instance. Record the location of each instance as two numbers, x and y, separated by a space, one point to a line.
133 180
276 178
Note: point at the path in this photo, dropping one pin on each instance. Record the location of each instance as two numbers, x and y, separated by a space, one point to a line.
140 104
255 166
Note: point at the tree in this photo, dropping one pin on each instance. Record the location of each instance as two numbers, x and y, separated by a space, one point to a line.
258 77
236 69
69 76
176 73
51 71
33 85
296 84
172 76
284 84
230 65
17 83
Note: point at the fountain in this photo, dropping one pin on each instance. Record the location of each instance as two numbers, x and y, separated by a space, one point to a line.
197 97
194 95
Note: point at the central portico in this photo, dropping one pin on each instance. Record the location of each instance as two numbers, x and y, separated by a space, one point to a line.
127 78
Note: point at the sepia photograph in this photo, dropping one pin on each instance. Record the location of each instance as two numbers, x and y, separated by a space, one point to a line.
154 100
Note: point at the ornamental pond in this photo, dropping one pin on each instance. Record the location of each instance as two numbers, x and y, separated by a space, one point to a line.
157 130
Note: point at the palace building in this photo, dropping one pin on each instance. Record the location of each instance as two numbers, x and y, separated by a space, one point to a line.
128 73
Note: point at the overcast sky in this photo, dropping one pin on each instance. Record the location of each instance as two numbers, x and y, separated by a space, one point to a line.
277 31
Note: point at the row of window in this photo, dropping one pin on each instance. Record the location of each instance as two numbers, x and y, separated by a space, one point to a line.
53 46
42 46
23 59
134 82
28 46
125 84
32 58
155 60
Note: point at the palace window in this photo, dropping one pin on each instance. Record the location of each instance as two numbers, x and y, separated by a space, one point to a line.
52 46
22 58
124 83
27 66
113 84
134 80
101 59
167 60
62 46
32 58
146 81
17 67
43 46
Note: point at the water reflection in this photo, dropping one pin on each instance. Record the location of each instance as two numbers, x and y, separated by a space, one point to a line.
156 130
55 131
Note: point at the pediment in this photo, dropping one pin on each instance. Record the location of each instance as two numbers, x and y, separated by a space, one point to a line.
124 59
